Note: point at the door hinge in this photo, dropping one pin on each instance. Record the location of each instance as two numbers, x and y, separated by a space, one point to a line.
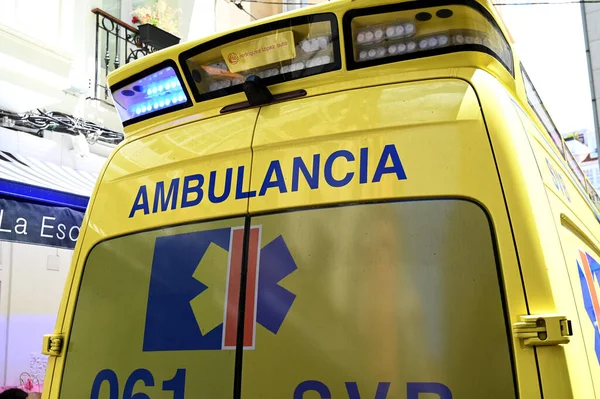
53 344
543 330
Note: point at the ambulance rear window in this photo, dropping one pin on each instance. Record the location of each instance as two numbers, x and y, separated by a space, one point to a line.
276 52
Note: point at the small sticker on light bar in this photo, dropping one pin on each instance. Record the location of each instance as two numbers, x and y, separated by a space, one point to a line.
277 52
259 52
153 93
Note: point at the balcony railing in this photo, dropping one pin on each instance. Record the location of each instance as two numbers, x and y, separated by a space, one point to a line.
117 43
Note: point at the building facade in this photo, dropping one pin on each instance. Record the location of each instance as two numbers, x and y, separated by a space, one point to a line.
591 22
583 146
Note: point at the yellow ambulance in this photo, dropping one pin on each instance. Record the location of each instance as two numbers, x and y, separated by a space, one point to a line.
362 199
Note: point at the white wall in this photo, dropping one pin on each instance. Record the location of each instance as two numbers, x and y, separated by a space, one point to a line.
30 294
210 16
186 18
30 299
202 21
48 53
4 306
46 47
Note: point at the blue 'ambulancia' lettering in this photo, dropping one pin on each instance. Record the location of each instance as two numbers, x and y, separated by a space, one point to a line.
332 181
364 165
279 182
141 202
239 187
160 199
311 179
354 166
189 188
226 189
389 152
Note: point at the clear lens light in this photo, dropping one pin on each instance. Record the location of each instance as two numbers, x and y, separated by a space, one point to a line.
323 42
378 34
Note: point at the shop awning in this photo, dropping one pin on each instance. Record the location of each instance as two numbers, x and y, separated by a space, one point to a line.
44 183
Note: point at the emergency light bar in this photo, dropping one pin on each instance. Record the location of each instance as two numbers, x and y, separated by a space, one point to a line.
309 45
403 31
157 91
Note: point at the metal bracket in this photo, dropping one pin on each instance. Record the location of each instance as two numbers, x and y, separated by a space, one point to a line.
543 330
53 344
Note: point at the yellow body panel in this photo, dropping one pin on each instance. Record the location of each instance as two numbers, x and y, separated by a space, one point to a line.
359 190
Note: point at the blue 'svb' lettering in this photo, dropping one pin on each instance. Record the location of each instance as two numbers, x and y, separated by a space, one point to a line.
413 390
306 174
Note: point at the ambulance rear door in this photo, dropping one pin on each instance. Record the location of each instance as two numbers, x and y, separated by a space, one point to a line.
154 314
385 265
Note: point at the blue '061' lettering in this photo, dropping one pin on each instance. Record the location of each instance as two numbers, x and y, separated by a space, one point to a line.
140 379
336 170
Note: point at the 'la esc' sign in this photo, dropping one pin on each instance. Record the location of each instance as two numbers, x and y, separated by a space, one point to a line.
38 224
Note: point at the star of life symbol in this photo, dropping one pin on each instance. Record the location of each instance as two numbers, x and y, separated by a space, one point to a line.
194 291
589 272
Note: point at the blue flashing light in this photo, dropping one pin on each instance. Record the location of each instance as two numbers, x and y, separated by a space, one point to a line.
154 92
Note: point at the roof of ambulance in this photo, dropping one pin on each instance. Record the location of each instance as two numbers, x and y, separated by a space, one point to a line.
331 6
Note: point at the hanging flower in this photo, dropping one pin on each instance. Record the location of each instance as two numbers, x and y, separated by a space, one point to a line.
161 15
28 385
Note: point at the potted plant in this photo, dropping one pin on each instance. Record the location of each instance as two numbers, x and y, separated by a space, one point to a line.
157 25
